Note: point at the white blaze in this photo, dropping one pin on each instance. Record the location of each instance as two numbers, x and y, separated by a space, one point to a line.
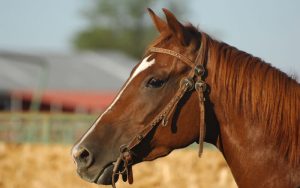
143 66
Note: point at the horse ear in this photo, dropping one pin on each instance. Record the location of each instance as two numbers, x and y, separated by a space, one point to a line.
176 27
158 22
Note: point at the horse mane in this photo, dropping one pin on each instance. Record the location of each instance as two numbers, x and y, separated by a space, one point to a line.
256 90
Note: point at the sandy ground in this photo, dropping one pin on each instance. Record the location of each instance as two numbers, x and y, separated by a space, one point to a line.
50 166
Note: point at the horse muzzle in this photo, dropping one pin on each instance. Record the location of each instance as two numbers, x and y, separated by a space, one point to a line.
89 170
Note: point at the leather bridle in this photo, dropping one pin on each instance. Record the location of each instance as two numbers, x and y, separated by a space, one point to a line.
193 81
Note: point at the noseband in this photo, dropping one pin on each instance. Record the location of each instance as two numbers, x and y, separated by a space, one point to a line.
194 80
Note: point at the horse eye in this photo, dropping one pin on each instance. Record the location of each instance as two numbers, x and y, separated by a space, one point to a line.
155 83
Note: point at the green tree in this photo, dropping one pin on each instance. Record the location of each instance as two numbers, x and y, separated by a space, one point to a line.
119 25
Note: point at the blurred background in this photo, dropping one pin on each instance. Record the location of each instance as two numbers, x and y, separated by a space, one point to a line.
63 61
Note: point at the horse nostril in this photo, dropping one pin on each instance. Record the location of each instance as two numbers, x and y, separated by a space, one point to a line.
82 157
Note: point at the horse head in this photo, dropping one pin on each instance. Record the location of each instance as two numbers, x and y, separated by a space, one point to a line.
155 112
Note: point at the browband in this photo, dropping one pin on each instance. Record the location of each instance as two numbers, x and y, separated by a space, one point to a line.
174 54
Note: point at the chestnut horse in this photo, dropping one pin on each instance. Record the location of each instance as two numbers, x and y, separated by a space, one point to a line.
251 112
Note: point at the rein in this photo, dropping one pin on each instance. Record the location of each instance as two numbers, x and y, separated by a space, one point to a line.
194 80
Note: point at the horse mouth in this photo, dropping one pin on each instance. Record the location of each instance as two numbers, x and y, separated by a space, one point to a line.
105 175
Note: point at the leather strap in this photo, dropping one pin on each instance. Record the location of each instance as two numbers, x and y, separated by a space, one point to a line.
200 87
174 54
125 150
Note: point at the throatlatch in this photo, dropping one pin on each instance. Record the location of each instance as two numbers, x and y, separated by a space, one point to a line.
194 80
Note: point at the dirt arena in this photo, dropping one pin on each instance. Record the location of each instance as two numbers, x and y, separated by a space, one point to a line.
41 166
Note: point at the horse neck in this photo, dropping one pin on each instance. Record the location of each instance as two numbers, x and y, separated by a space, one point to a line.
253 161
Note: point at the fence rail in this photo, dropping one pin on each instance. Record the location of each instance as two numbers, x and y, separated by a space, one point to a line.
43 127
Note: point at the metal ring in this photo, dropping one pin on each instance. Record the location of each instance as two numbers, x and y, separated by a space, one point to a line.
187 82
199 70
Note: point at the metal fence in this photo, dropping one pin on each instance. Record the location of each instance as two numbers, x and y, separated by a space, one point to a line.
43 127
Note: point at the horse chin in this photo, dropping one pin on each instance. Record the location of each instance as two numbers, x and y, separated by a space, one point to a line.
105 176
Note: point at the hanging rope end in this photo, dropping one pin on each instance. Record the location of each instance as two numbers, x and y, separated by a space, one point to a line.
200 152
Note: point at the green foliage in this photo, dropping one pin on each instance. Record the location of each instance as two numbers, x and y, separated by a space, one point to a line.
118 25
96 38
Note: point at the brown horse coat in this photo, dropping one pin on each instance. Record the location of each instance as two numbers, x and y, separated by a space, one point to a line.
252 112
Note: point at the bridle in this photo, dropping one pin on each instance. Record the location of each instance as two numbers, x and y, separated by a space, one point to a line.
193 81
